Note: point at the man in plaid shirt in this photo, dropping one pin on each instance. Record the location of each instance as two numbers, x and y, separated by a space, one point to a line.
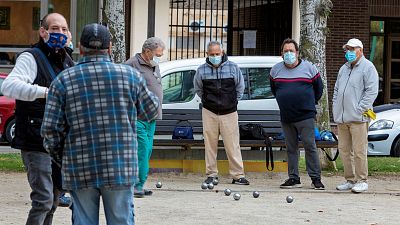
89 127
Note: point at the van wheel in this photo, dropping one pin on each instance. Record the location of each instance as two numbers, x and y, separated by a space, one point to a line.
396 149
10 130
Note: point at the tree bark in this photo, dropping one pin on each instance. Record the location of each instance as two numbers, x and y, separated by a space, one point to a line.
113 15
313 31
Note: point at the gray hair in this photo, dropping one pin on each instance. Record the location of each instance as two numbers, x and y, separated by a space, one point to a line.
153 43
92 51
212 43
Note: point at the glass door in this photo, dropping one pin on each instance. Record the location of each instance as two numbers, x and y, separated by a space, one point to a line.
393 68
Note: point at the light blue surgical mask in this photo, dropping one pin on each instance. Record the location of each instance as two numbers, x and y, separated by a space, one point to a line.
350 56
215 60
289 58
155 61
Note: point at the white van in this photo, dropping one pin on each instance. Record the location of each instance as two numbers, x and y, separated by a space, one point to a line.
177 82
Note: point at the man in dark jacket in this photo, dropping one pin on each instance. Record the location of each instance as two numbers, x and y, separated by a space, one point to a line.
28 83
297 86
220 84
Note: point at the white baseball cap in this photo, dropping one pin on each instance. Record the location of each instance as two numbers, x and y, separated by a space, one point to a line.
354 42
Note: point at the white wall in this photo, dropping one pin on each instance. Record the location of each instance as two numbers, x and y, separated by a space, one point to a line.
139 19
296 21
162 24
138 33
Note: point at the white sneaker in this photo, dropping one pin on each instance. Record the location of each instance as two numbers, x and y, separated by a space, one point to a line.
345 186
360 187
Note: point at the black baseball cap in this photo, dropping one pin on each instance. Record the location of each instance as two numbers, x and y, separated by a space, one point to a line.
95 36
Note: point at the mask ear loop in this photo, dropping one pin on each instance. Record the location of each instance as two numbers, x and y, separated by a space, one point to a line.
48 37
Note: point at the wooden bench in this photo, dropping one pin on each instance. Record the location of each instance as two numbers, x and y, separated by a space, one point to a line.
270 119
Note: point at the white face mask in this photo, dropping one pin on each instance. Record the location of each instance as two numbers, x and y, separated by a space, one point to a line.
155 61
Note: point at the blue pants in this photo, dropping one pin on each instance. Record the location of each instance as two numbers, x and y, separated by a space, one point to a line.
117 203
145 135
44 195
304 129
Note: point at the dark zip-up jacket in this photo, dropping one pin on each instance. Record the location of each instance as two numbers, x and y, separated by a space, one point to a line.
220 87
29 114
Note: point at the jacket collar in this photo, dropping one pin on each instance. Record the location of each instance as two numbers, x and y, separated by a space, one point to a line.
223 61
362 58
94 58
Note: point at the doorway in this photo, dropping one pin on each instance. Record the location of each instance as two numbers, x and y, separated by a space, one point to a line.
392 84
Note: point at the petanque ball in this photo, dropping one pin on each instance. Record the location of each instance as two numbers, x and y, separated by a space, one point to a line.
256 194
215 181
210 186
289 199
236 196
158 184
227 192
204 186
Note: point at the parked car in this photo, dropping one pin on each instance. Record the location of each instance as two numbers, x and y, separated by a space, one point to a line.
7 118
177 82
384 132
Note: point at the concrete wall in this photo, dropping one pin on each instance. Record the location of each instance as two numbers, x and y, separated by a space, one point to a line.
162 24
138 25
139 19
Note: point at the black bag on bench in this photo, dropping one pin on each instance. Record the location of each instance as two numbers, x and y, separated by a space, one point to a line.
254 131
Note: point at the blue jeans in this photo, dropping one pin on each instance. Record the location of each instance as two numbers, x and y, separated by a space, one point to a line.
117 203
44 196
145 135
304 129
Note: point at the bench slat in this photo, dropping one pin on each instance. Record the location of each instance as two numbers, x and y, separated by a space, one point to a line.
243 143
270 120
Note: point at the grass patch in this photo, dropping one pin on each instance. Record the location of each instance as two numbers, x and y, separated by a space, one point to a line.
11 162
377 165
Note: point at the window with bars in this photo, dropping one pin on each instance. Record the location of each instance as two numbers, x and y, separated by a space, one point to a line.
193 23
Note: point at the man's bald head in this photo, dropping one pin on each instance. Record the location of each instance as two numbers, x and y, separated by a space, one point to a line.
51 17
53 23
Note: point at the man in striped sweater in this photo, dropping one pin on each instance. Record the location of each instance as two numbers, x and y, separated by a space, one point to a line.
297 86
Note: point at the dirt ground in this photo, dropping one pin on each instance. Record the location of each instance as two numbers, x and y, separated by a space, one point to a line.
181 201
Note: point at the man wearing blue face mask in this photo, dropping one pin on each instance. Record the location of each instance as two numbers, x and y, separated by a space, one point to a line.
220 84
297 86
28 83
356 89
146 63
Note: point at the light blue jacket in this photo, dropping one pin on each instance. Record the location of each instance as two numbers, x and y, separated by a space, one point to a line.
355 91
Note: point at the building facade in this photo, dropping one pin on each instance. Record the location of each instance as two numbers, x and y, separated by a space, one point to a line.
244 27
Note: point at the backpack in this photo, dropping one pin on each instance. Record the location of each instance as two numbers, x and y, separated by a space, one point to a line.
255 131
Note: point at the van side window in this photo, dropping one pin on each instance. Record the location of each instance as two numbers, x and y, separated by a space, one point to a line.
257 84
178 86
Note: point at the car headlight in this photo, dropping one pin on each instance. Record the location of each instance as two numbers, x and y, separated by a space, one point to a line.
381 125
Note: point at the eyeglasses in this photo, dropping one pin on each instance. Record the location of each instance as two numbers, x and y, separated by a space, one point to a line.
349 49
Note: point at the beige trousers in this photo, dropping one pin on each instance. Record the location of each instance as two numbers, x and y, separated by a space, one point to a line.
227 126
353 146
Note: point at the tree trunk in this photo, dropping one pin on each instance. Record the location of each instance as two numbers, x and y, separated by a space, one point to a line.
114 16
313 31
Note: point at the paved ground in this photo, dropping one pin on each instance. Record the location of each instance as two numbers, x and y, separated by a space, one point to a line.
181 201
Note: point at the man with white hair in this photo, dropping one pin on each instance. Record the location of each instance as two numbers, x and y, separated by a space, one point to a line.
355 91
146 63
220 84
